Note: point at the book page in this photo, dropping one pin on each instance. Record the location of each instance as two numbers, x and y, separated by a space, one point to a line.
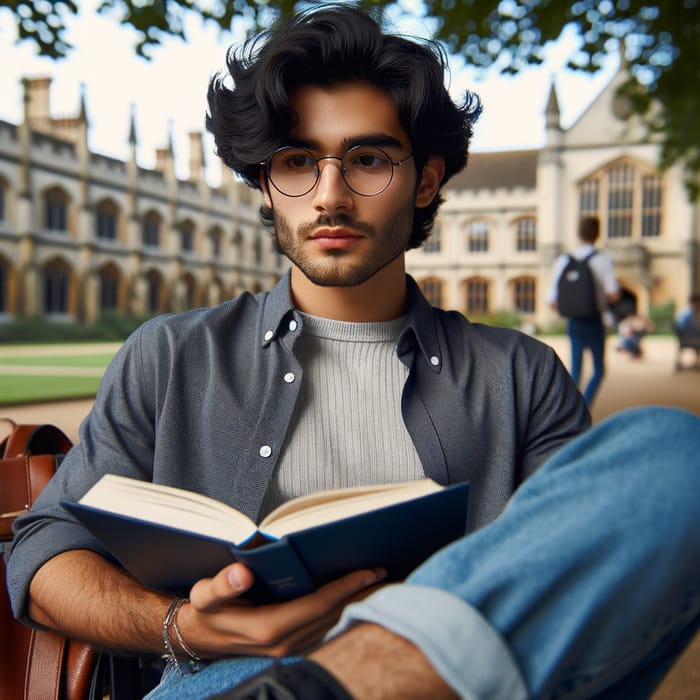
169 506
328 506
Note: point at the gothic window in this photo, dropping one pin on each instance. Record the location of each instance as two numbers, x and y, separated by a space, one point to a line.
651 206
187 237
477 301
153 287
432 289
627 198
478 236
524 288
56 286
432 242
150 230
56 210
526 235
215 238
4 284
106 218
190 300
588 198
109 288
258 251
620 200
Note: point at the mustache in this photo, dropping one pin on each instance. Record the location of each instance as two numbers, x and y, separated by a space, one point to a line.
340 220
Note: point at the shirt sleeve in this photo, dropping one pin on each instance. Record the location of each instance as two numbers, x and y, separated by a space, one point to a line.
559 265
462 647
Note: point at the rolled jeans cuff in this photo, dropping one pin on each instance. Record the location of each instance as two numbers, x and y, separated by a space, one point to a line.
462 647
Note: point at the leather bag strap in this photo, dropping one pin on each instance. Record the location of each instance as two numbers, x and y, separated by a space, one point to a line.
43 678
32 439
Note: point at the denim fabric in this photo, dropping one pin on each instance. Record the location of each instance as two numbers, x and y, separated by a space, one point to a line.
587 333
589 581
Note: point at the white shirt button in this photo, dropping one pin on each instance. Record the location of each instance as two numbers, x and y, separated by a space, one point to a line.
268 335
265 451
289 377
293 325
434 360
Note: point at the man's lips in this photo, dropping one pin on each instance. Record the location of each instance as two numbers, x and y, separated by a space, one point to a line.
334 233
335 237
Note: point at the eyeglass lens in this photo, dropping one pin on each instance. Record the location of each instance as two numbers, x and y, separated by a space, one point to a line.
367 170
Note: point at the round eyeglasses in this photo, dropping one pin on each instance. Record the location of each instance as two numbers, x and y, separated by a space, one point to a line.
367 170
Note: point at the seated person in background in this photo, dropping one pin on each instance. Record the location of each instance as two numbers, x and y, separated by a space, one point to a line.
631 331
579 572
688 320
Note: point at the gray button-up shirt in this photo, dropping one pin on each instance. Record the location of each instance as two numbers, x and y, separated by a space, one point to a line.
202 400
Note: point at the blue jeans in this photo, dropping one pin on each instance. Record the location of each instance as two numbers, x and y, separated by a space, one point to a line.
586 586
587 333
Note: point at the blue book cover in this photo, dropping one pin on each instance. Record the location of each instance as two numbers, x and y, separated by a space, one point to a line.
171 556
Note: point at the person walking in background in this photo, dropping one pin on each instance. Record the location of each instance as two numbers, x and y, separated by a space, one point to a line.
583 284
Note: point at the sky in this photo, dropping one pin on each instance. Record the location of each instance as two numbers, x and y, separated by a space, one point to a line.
168 93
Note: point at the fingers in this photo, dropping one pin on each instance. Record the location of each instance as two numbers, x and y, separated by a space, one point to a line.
208 594
216 622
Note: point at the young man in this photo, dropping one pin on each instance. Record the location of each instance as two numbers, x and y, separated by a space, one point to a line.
588 333
342 375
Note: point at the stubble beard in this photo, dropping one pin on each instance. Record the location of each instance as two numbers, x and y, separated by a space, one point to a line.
342 268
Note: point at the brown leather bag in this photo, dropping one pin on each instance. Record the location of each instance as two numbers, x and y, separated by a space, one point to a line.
34 664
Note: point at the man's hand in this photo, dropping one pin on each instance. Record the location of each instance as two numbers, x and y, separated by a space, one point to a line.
218 622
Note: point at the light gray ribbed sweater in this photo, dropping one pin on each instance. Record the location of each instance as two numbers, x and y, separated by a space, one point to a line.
347 428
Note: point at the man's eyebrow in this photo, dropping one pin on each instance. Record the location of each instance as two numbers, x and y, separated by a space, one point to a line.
379 139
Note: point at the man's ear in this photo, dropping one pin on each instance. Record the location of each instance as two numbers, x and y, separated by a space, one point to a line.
433 172
265 187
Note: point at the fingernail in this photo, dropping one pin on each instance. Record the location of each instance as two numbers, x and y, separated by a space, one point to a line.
234 580
376 576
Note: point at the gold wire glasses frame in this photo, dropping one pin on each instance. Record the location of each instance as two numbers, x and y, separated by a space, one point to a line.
366 170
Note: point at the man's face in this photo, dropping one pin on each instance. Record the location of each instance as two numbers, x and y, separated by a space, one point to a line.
333 235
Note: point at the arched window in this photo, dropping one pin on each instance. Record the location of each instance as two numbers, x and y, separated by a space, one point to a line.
154 283
478 236
432 242
524 289
106 220
215 236
477 296
187 236
526 235
3 203
4 286
56 209
150 229
109 288
190 285
432 288
627 197
56 287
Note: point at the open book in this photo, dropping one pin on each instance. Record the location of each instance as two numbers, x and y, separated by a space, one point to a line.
168 538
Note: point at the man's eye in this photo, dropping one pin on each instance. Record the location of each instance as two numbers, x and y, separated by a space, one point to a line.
299 161
368 161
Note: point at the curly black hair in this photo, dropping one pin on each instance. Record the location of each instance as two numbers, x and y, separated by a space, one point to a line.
336 44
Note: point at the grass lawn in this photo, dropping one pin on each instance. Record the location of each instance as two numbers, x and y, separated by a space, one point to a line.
27 372
16 389
101 360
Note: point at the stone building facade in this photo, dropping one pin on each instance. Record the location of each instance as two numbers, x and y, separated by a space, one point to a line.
509 214
82 233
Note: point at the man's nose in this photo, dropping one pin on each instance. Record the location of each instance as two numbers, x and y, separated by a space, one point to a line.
332 192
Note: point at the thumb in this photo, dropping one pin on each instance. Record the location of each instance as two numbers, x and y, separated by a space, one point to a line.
207 594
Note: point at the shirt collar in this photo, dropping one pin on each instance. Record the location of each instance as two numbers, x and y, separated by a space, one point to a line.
421 327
